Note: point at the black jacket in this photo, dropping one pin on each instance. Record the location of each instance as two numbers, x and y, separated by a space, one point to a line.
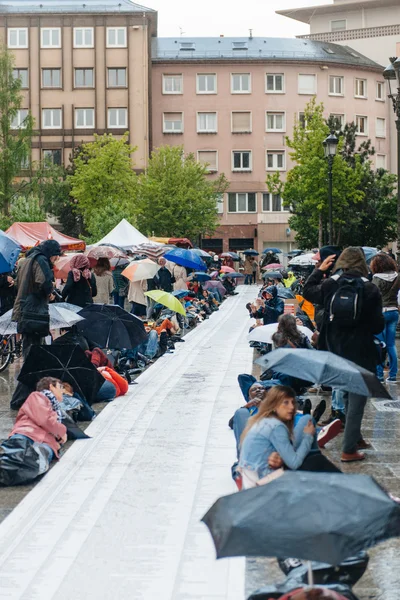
164 279
79 292
355 344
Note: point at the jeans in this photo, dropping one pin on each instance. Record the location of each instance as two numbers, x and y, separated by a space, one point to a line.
388 336
48 448
248 279
149 348
254 276
107 392
240 419
119 300
354 406
338 400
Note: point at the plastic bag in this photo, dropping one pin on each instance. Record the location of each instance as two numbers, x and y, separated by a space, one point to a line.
21 461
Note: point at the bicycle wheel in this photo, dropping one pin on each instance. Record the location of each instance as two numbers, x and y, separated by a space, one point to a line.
5 352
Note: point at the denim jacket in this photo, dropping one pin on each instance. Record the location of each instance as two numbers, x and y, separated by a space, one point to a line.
271 435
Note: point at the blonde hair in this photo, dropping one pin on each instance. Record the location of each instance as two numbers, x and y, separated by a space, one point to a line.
274 398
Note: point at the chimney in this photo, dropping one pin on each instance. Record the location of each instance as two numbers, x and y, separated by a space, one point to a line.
250 34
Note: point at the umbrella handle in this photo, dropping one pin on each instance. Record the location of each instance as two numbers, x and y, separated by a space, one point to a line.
310 574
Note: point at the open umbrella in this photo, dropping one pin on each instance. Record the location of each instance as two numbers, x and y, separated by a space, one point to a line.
186 258
60 318
153 250
273 267
303 260
214 285
180 293
272 275
284 292
250 252
66 362
345 514
325 368
225 269
201 253
110 326
63 265
141 269
233 275
214 274
105 251
9 252
265 332
231 255
167 300
369 253
274 250
200 276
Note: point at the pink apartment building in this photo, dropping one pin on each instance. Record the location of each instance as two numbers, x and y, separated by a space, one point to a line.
232 101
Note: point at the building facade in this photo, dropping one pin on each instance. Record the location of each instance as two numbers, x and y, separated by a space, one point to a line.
84 68
232 102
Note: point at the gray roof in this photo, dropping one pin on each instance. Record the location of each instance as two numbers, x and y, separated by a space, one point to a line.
184 49
71 6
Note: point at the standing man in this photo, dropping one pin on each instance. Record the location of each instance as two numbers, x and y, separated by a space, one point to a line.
163 278
255 269
352 316
34 283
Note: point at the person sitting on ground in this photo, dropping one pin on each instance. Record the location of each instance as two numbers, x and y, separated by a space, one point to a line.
288 335
314 593
229 285
73 401
81 283
269 307
104 281
39 418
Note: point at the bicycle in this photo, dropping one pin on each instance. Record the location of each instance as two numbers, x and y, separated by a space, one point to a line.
10 349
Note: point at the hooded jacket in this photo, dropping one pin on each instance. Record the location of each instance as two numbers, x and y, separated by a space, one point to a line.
273 308
389 285
35 275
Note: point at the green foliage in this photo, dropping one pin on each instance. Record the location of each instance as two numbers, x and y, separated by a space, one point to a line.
15 144
103 182
177 197
24 209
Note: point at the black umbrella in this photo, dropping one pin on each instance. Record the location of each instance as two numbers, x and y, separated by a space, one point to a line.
272 275
313 516
110 326
325 368
66 362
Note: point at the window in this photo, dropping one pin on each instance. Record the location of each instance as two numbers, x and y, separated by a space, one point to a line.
361 125
275 160
240 244
272 203
83 37
241 160
380 161
117 118
360 90
380 127
51 118
220 204
274 83
50 37
240 46
340 120
206 122
209 158
302 120
275 121
116 77
241 122
52 157
116 37
380 91
173 122
206 83
18 120
84 118
242 202
22 74
187 46
18 37
173 84
240 83
25 162
84 78
51 78
338 25
307 84
336 85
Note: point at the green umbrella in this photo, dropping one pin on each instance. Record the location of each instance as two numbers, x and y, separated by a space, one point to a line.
167 300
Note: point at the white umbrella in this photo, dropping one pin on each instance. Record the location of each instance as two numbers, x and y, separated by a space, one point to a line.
304 260
264 333
60 318
141 269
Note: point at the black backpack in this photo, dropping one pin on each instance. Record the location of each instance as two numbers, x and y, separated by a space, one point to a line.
345 306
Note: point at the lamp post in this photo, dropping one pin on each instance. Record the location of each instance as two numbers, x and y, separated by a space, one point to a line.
330 148
392 73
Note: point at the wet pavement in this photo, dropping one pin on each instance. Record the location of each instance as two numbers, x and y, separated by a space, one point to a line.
118 516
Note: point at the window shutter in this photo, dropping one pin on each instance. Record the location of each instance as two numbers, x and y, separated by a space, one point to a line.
210 157
241 122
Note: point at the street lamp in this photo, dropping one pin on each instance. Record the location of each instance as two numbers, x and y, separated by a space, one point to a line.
392 73
330 148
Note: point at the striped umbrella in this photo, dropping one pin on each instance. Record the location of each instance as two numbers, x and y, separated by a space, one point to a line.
150 249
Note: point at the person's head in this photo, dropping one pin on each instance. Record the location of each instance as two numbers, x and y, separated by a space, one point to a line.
280 403
257 391
53 385
51 249
287 331
80 265
352 259
162 262
67 388
103 265
383 263
315 594
270 292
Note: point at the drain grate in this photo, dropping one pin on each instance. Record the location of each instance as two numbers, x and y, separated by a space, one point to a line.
390 406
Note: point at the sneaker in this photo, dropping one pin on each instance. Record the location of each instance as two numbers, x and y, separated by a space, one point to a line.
391 379
355 456
329 432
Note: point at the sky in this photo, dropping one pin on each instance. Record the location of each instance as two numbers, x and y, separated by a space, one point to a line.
201 18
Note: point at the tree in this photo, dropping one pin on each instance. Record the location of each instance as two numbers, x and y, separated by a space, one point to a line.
103 183
176 196
305 191
15 144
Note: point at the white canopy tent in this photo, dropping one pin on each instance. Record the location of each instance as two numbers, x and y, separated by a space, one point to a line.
124 235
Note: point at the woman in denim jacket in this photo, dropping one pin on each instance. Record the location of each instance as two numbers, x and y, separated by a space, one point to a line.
271 430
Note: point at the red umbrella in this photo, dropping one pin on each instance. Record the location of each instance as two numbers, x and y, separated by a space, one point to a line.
227 270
